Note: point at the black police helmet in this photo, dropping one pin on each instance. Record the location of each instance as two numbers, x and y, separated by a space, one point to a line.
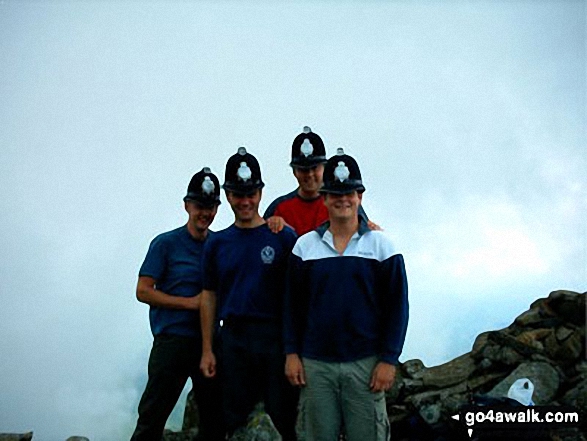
342 175
243 173
307 150
204 188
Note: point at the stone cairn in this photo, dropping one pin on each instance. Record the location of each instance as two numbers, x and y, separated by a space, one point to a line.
545 344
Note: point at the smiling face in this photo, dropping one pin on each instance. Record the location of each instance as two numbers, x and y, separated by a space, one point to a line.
200 217
244 206
309 180
343 207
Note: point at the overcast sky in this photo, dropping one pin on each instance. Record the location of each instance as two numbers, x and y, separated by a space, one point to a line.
466 118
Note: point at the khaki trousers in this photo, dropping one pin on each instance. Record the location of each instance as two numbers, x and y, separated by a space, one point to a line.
338 393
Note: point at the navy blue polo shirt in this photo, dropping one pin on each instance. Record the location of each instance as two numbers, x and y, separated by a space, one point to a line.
174 260
246 268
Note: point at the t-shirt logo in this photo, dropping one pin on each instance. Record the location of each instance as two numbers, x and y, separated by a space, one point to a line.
267 254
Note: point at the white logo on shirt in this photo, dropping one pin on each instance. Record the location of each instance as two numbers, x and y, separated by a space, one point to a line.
267 254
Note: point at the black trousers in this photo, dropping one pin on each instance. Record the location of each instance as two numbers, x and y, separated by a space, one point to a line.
173 360
253 365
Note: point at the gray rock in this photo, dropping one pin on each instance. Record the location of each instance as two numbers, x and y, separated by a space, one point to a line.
447 374
431 413
568 305
259 428
543 375
16 436
531 317
577 396
412 367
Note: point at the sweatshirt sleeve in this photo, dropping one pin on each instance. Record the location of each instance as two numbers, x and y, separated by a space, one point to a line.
293 307
395 301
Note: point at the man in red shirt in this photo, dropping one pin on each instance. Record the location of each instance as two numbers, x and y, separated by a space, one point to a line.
303 209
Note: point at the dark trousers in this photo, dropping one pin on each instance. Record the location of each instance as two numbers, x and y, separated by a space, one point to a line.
253 367
173 360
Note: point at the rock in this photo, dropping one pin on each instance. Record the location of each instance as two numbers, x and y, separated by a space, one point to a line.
568 349
430 413
563 333
577 396
447 374
397 413
184 435
568 305
259 428
16 436
543 375
532 338
531 317
480 342
191 416
412 367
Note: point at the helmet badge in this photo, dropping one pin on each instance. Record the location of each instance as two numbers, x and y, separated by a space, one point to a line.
307 148
244 172
208 185
341 172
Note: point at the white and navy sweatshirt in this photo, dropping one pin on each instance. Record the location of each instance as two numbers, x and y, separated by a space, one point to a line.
346 307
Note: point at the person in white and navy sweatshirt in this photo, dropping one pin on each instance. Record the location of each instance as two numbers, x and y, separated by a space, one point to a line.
345 316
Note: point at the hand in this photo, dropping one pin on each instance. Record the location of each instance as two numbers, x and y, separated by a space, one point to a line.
373 226
276 224
383 377
208 364
294 370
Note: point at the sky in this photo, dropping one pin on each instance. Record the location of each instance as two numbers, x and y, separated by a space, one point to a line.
467 120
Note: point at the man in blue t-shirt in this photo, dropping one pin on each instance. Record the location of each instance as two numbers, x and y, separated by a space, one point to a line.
170 281
242 297
345 316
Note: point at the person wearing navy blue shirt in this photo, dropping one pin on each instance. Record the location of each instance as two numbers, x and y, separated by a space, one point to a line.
345 316
170 280
244 282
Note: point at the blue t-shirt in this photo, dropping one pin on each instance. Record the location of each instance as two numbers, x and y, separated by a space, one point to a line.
246 268
174 260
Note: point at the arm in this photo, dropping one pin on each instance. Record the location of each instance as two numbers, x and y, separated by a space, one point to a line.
292 312
149 294
395 304
207 316
395 308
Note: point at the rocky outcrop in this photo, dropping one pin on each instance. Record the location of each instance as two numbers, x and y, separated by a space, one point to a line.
545 344
16 436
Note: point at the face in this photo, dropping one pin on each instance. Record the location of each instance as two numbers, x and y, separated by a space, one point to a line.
200 216
309 179
343 206
245 207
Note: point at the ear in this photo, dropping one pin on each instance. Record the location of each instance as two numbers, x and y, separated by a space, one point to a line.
360 195
185 206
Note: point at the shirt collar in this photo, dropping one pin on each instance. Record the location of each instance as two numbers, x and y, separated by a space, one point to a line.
363 228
